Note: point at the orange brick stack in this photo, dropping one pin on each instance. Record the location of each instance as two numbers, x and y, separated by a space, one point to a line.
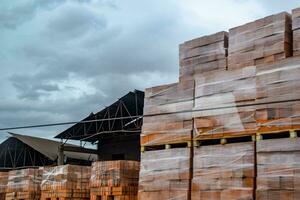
263 41
278 167
224 172
24 184
278 98
3 184
116 180
296 31
165 174
224 103
203 54
167 122
232 88
66 182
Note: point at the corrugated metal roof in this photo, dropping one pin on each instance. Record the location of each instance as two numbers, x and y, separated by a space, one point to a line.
49 148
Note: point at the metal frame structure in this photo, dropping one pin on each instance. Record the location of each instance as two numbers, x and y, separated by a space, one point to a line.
123 116
15 154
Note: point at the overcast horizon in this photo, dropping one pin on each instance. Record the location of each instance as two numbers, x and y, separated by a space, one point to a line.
63 59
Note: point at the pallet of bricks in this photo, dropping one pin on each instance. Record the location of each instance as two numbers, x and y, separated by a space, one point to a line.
221 171
232 106
114 180
165 141
24 184
66 182
3 184
252 95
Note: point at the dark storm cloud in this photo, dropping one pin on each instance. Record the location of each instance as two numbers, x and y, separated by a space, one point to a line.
61 60
30 88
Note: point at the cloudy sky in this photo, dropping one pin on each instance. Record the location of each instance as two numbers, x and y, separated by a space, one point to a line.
62 59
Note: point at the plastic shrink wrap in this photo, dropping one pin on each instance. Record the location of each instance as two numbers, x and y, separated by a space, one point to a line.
224 172
278 164
278 100
165 174
115 179
207 53
168 114
3 184
66 181
296 31
265 40
24 184
224 103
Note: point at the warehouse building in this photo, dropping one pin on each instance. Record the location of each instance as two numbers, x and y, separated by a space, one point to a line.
21 151
117 133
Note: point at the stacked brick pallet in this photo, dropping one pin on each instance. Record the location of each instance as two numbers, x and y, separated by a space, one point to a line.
224 103
238 96
24 184
66 182
278 167
116 180
224 172
165 174
278 102
203 54
3 184
165 104
262 41
170 121
296 31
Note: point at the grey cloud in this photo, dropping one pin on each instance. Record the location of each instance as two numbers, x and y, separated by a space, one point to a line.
30 87
110 46
73 21
14 13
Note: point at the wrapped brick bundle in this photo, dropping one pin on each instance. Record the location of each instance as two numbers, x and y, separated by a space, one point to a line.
165 174
3 184
117 179
296 31
224 172
66 181
278 96
263 41
278 165
168 109
203 54
24 184
224 103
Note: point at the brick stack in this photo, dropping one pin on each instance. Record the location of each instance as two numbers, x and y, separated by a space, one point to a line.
167 120
116 180
278 165
296 31
66 182
24 184
3 184
165 174
203 54
224 172
263 41
251 90
278 99
223 103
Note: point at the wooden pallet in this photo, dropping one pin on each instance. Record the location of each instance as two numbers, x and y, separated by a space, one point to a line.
22 196
288 133
115 191
186 144
223 140
2 196
111 197
64 198
65 194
